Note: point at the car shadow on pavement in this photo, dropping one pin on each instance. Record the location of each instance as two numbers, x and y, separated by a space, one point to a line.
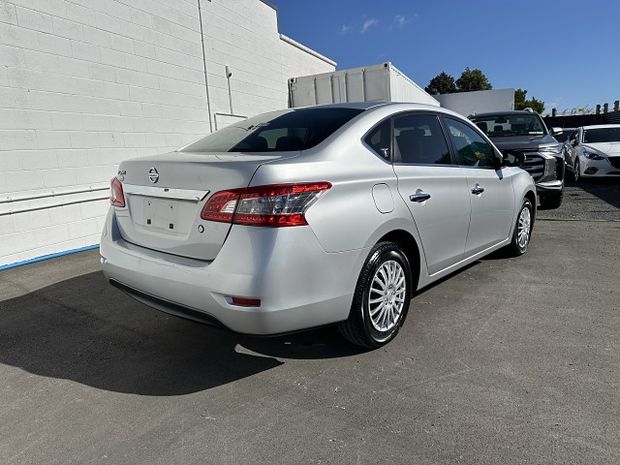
606 189
84 330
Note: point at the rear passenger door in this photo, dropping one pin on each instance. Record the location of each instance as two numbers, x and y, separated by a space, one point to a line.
433 187
489 190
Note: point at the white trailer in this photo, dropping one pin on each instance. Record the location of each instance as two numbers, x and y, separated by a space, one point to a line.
480 101
382 82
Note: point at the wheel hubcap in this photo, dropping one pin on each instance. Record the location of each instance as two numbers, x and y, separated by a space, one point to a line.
386 298
523 230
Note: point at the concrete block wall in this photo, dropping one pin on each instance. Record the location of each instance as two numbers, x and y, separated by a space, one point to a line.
295 59
243 37
87 83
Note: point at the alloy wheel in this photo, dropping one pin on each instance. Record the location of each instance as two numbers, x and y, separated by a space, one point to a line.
386 298
523 227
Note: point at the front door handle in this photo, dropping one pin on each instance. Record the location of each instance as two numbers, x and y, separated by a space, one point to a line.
477 189
419 196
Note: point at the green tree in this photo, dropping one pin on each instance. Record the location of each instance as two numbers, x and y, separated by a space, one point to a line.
443 83
520 99
537 105
522 102
473 79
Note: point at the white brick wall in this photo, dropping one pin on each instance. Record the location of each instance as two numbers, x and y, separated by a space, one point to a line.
87 83
243 35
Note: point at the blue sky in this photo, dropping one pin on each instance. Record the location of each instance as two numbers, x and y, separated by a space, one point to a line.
565 53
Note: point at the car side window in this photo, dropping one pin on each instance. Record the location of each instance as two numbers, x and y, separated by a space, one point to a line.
419 140
470 147
380 138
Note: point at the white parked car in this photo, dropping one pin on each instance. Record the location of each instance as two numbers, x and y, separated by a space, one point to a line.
594 151
306 217
562 138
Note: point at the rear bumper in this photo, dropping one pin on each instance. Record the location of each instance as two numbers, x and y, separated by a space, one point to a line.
300 285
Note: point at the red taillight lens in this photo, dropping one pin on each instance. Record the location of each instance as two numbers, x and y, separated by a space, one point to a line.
277 205
117 196
220 207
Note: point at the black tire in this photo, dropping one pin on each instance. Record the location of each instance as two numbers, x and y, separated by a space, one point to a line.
517 248
552 201
359 329
576 172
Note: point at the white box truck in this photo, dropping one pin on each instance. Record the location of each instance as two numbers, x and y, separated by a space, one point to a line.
382 82
480 101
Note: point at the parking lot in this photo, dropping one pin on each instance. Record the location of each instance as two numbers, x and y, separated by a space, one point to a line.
509 361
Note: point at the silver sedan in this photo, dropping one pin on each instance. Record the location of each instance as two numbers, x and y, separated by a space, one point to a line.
307 217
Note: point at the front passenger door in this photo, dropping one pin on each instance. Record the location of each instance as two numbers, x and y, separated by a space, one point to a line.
432 186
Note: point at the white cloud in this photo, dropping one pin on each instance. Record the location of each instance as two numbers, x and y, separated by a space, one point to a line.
345 28
369 23
400 20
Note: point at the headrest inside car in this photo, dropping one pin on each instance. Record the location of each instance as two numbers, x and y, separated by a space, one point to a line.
288 143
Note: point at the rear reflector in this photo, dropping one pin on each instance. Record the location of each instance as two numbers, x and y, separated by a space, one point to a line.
276 205
245 302
117 196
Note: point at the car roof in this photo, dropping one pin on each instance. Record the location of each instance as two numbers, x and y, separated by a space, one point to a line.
355 105
507 112
401 106
366 105
601 126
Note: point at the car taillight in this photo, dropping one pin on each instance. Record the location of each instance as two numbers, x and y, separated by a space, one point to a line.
220 207
117 196
277 205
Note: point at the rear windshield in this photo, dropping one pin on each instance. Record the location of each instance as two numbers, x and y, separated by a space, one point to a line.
520 124
281 131
601 135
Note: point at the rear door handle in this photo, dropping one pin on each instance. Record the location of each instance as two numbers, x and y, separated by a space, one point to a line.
477 189
419 196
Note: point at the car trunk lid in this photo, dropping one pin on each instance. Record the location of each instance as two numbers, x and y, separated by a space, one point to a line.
165 194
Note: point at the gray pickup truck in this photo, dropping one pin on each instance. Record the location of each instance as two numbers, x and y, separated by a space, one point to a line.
525 131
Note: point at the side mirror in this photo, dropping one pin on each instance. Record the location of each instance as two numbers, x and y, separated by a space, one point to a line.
513 158
556 131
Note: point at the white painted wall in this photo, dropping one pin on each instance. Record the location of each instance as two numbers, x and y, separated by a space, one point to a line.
243 36
87 83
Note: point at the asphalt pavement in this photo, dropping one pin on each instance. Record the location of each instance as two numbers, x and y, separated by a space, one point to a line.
510 361
589 200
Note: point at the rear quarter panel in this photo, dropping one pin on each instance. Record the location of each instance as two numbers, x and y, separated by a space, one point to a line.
346 217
